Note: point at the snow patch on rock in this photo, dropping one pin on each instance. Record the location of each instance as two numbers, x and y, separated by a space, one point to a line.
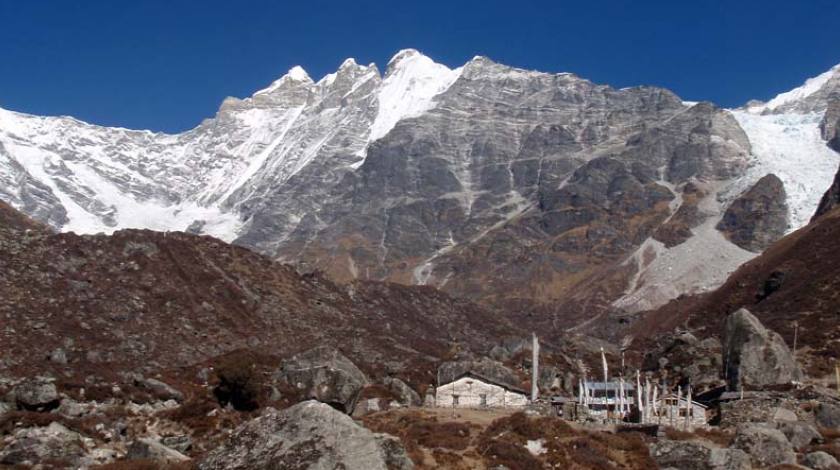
791 147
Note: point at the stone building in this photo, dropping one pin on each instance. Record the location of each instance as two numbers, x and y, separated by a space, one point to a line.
471 390
675 411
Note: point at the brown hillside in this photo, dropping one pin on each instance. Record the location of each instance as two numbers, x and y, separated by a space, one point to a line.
143 301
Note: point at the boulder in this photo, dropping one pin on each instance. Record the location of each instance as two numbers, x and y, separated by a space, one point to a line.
159 389
800 434
150 449
35 395
819 460
407 396
698 362
765 445
326 375
697 455
755 357
30 446
59 356
762 407
309 435
828 415
73 409
758 217
182 443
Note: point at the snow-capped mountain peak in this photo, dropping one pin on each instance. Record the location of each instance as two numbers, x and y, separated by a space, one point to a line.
295 74
809 97
411 82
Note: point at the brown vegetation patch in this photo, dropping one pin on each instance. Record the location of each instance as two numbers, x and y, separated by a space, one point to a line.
144 464
417 431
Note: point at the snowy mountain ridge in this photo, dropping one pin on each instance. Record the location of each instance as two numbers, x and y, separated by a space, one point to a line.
98 179
504 185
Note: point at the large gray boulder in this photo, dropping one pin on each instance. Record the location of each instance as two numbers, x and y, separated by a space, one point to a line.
309 435
326 375
150 449
35 395
697 455
762 407
828 415
755 357
799 433
160 389
31 446
758 217
407 395
766 446
820 460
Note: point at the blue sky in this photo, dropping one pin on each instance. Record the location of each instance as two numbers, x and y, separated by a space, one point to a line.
165 65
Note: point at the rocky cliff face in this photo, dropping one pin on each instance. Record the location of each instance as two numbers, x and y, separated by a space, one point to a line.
544 194
758 217
830 125
831 199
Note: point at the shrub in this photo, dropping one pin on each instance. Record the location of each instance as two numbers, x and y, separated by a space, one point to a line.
238 383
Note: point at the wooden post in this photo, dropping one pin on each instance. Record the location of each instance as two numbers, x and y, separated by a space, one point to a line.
688 408
837 375
795 337
535 366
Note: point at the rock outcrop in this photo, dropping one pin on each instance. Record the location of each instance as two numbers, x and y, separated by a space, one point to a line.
831 198
820 460
755 357
160 389
758 217
326 375
53 443
830 125
407 396
35 395
799 433
683 355
150 449
766 446
828 415
698 455
309 435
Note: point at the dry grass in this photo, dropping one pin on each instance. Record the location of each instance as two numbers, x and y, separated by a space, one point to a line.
503 443
417 431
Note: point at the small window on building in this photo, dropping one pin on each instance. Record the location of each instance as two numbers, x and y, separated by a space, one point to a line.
483 397
455 400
